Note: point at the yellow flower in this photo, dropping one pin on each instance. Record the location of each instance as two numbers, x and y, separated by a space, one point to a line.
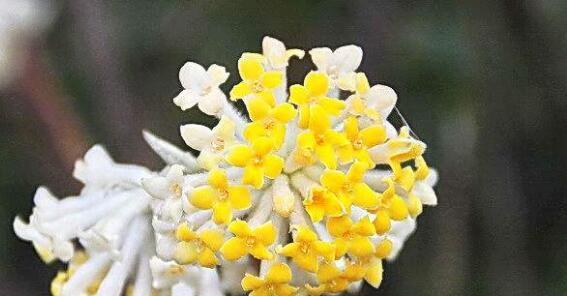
268 121
352 238
221 197
350 187
360 141
394 204
275 283
320 140
200 247
321 202
257 161
255 80
314 92
249 241
331 280
368 268
307 248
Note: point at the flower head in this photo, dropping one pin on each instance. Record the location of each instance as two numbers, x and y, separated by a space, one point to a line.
317 181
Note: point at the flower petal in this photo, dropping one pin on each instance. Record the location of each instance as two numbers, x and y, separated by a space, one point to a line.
279 273
203 197
233 249
239 197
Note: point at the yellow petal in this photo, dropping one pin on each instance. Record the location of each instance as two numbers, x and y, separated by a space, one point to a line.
250 282
253 176
279 273
184 232
239 155
331 106
333 180
272 79
212 238
341 247
356 171
289 250
319 120
268 97
351 128
373 135
306 140
307 262
255 130
284 112
250 69
222 214
325 249
415 207
265 233
257 108
364 196
203 197
304 114
362 85
185 253
240 228
398 209
234 248
239 197
327 273
317 83
273 166
364 227
374 274
304 234
286 290
218 179
384 248
240 90
298 94
263 146
361 247
260 251
327 156
207 258
316 212
382 222
337 226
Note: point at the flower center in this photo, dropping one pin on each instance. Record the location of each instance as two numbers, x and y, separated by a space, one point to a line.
257 87
176 190
304 248
269 124
218 144
357 145
223 194
250 241
206 90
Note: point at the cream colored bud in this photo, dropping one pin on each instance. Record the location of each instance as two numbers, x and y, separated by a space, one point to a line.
283 196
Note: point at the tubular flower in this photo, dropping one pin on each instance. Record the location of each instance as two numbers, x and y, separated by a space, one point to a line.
276 282
317 181
249 241
221 197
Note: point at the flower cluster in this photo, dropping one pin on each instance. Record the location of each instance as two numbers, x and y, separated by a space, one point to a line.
306 196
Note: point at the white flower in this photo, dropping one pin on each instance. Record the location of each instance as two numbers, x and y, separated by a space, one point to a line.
201 88
276 53
338 64
212 143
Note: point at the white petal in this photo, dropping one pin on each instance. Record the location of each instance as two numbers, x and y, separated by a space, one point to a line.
382 98
213 103
186 99
217 75
193 76
347 58
321 57
157 187
275 51
425 193
182 289
196 136
44 199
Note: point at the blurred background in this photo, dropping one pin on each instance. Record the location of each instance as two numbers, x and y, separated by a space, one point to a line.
484 83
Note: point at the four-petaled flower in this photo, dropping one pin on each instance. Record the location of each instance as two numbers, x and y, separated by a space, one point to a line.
255 80
202 88
220 196
276 282
306 249
360 141
197 247
268 121
314 92
249 241
331 280
350 188
257 161
352 238
321 202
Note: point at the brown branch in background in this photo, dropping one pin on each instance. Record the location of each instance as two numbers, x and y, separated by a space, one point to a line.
119 118
52 107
